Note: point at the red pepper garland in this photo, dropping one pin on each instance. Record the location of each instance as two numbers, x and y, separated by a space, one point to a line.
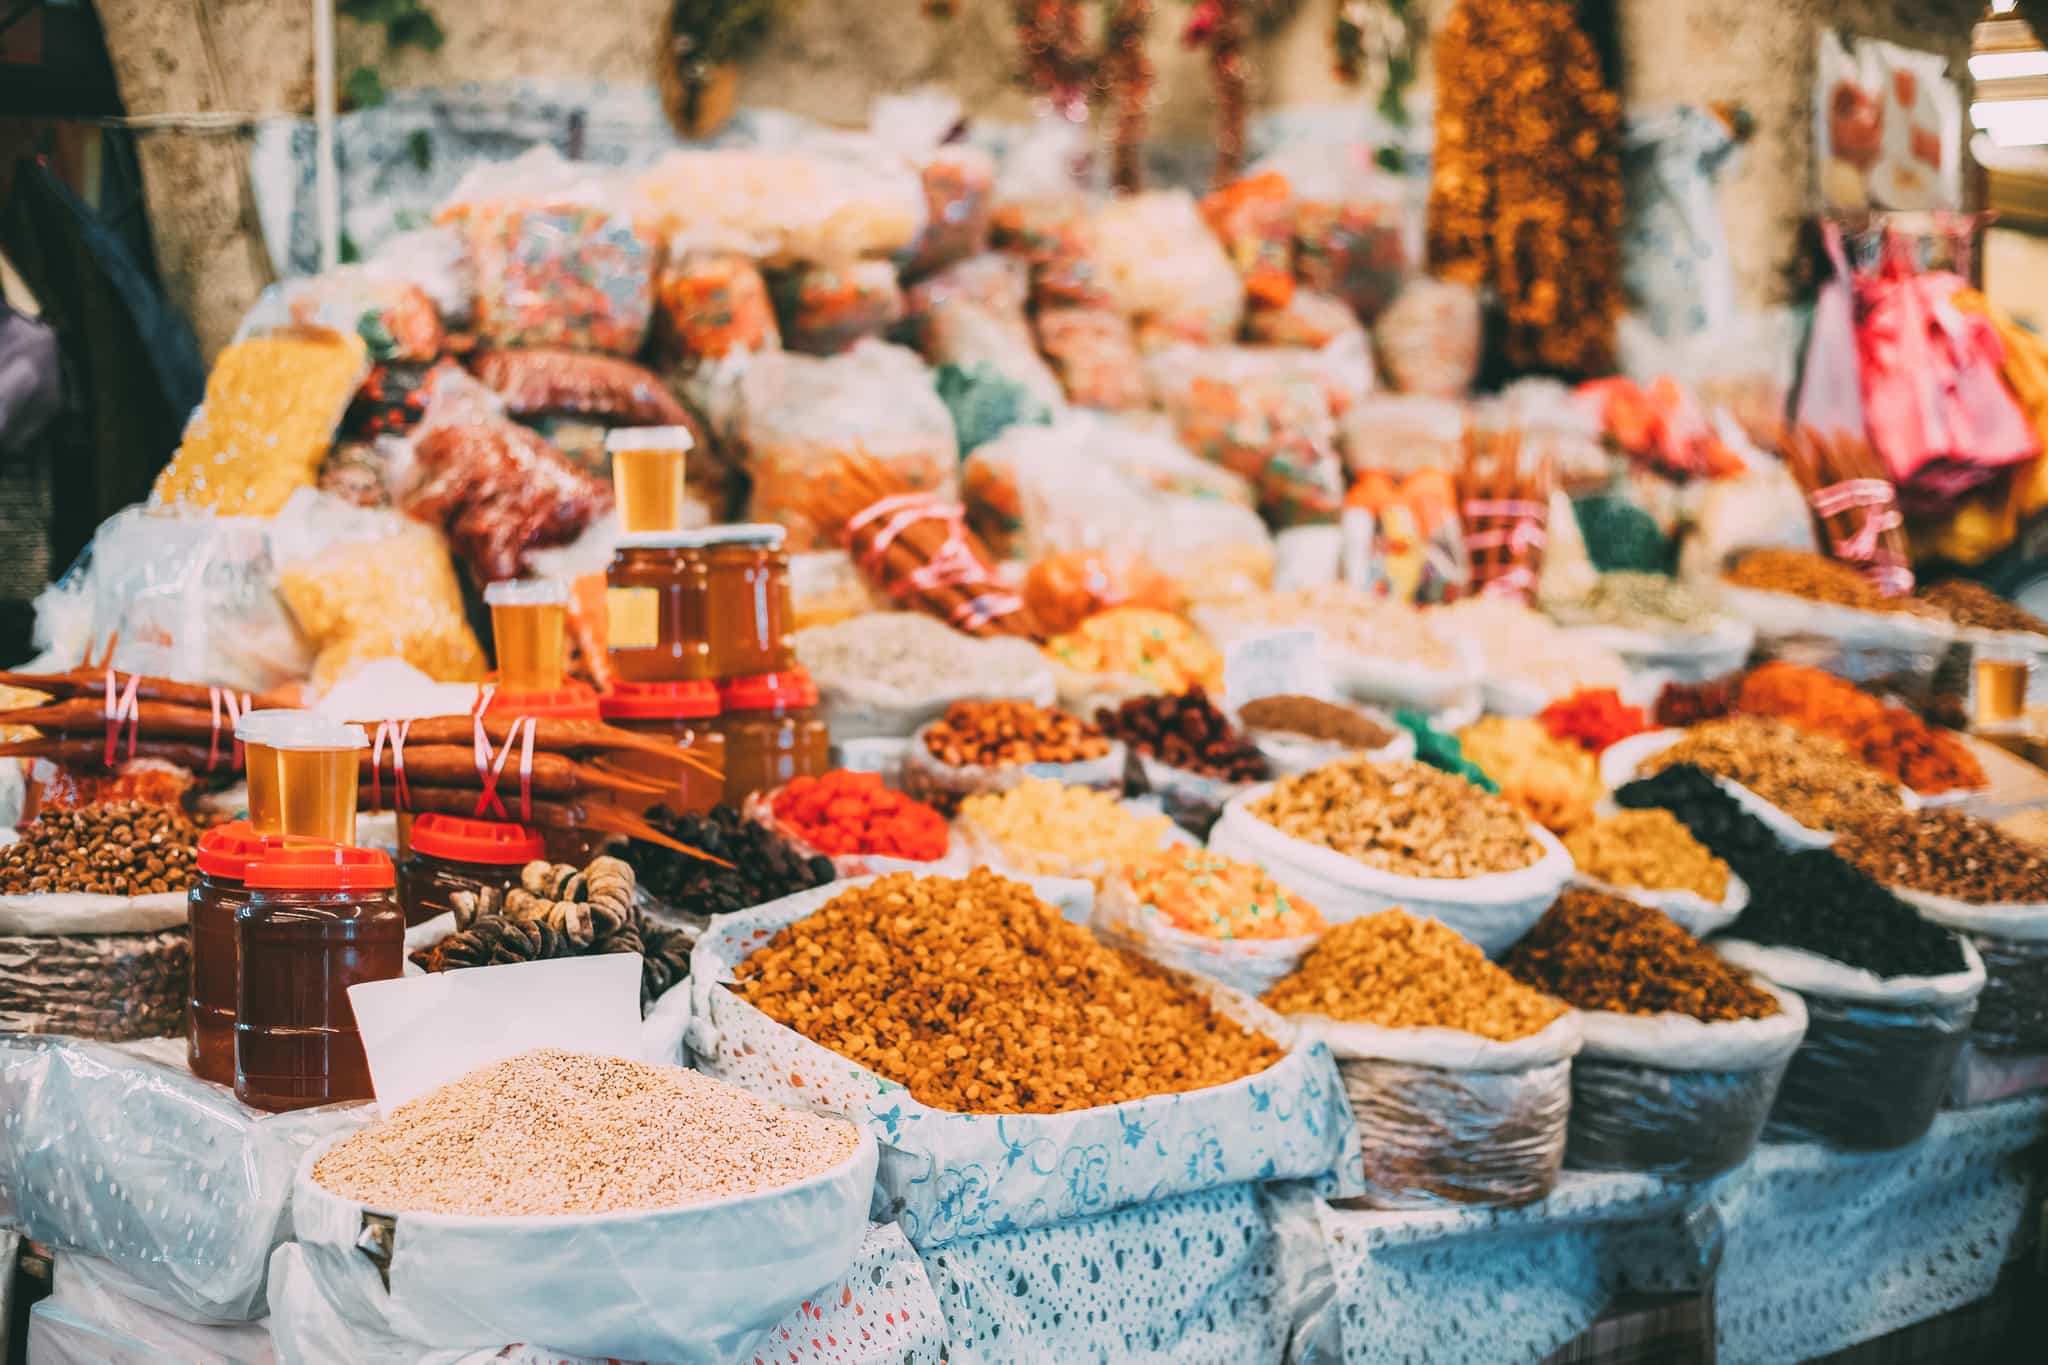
1127 84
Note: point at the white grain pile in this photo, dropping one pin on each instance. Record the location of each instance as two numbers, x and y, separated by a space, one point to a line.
555 1132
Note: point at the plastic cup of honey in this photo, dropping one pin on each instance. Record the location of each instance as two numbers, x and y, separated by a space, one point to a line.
302 774
530 621
647 476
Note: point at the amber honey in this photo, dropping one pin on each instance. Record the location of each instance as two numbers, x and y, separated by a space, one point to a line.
302 771
530 623
647 477
2000 696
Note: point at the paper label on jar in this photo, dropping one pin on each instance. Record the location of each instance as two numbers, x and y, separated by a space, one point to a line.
633 617
1272 663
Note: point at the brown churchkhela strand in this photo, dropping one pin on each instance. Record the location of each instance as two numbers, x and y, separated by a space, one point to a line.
90 682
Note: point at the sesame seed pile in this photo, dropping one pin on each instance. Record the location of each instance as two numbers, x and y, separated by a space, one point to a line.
555 1132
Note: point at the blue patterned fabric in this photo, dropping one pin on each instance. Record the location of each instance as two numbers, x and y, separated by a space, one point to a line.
947 1175
1191 1279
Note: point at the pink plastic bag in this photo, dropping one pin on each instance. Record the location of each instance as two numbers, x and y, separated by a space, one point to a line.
1934 395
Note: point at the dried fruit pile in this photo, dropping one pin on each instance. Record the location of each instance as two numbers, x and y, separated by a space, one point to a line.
1403 818
123 848
1186 732
1946 853
978 997
847 812
1000 733
1650 850
1596 952
761 865
1810 777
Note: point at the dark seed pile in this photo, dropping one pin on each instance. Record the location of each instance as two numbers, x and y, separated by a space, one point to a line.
764 865
1715 818
1817 902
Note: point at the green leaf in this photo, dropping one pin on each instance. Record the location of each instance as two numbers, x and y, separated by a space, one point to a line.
1390 159
421 149
374 11
349 251
364 88
418 29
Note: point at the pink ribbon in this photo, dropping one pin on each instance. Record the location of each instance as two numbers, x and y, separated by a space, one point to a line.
120 707
225 700
489 771
401 796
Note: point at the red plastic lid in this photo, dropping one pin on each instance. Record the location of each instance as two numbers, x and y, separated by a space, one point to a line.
570 701
320 867
227 850
660 700
765 691
474 841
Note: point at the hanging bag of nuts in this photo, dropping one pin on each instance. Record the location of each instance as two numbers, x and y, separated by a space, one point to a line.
1879 1052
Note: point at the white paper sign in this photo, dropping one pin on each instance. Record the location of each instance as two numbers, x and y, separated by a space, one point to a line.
1270 664
420 1032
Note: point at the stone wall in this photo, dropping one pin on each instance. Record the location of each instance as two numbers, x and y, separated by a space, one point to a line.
828 58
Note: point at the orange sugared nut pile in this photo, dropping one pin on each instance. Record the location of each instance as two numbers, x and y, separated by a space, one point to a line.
1001 733
978 997
1398 970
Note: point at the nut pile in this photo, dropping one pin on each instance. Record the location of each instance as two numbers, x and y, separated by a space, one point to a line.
1801 573
1946 853
1811 778
1199 892
562 1133
1186 732
1976 606
1710 814
1398 970
122 848
1887 737
1314 718
1816 902
1649 850
1049 829
1403 818
1638 601
763 865
1001 733
978 997
1598 952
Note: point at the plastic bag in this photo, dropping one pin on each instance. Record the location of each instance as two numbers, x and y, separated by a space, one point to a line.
1254 217
1984 1077
1162 263
1451 1119
995 281
824 309
92 1317
713 304
1676 264
123 1154
192 598
1250 966
1261 415
945 785
696 1282
559 261
537 383
1096 357
1429 338
1492 910
365 585
826 201
1878 1055
272 405
1401 538
1403 433
1308 320
959 193
965 332
860 667
801 414
391 401
111 987
2012 1011
498 489
395 319
1670 1096
1352 237
1065 588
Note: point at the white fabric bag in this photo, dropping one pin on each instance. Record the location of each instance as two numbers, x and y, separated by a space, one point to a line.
1250 966
1688 910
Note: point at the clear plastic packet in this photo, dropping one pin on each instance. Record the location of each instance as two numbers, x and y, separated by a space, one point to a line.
1254 218
436 261
1352 235
1161 262
559 260
110 987
959 200
1429 338
1308 319
801 414
273 402
1066 587
1096 357
392 400
946 785
1260 414
1053 236
538 383
713 304
1878 1055
1450 1119
825 201
966 333
396 320
994 281
1670 1096
1402 433
497 488
824 309
1250 966
364 585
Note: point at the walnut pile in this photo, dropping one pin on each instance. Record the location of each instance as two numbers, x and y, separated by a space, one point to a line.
1405 818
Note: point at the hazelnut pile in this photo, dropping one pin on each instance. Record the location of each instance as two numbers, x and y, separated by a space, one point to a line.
978 997
996 734
122 848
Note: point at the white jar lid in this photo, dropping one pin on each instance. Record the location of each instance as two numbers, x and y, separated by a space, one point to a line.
649 438
298 730
527 592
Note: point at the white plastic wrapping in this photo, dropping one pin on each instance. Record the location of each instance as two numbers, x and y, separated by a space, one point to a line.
945 785
1778 616
1450 1118
167 1177
1492 910
1249 966
686 1284
2012 940
1879 1053
1673 1096
1678 656
824 202
1192 800
946 1175
1688 910
96 1300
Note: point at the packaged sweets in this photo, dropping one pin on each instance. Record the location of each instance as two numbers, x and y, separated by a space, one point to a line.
713 304
959 194
1351 235
396 319
1096 357
543 383
823 310
1308 319
1161 262
1272 425
819 202
1254 217
390 597
1429 338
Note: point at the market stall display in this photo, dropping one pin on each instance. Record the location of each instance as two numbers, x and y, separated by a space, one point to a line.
1552 781
1683 1054
982 746
1197 911
1814 781
1039 828
884 674
1886 737
1359 835
1458 1075
1649 856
